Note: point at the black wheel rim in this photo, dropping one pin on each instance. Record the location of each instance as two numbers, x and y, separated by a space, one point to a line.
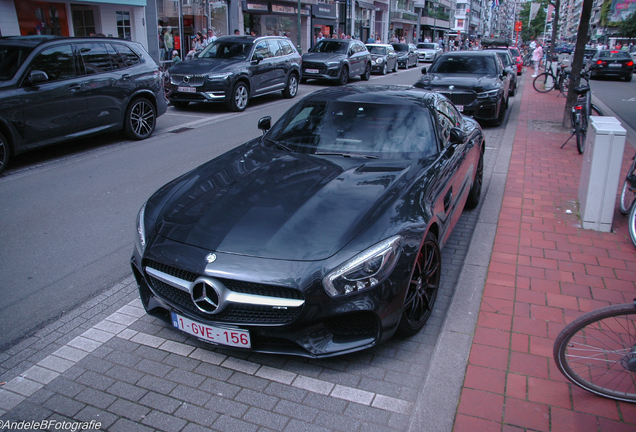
480 174
423 286
142 118
344 76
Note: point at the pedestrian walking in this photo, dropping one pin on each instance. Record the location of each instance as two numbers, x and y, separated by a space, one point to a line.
537 55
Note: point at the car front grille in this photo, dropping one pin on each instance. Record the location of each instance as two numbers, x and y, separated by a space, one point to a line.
234 313
313 65
187 80
460 97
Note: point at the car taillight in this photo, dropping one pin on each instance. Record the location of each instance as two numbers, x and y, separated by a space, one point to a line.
599 62
631 63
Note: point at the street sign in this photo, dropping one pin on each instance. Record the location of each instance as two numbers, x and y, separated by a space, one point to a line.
518 25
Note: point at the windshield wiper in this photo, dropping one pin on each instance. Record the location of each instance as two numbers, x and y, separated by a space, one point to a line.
349 155
279 144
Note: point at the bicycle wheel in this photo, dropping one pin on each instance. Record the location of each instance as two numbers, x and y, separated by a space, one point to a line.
544 82
632 224
596 111
597 352
580 127
628 193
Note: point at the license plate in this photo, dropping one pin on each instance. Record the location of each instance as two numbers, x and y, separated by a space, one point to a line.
312 70
615 65
219 335
187 89
460 108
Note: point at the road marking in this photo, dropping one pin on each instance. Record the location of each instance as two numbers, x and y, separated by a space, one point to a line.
116 325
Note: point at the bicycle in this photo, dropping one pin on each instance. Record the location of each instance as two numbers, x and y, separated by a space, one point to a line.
581 112
628 199
548 81
597 352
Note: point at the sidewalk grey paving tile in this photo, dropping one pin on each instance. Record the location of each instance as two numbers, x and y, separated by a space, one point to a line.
285 392
160 402
337 422
95 364
210 370
96 398
9 400
125 425
155 384
353 395
63 405
206 356
220 388
261 400
181 362
156 368
240 365
22 386
368 414
56 364
191 427
313 385
125 374
127 391
266 418
197 414
298 426
65 387
149 353
130 410
248 381
190 395
95 380
223 405
392 404
185 377
40 374
90 413
164 422
27 410
296 410
338 377
229 424
325 403
275 374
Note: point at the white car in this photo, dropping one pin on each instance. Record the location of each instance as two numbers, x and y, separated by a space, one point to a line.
428 51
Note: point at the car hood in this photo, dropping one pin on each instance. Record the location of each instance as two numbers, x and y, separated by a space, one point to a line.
268 203
201 66
460 81
425 50
377 56
323 57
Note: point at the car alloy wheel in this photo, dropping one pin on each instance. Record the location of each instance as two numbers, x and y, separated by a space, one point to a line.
385 69
474 194
240 97
344 75
5 152
141 117
501 115
367 73
423 287
292 87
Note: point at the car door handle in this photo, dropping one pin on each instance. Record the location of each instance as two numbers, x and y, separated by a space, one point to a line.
74 87
447 199
125 77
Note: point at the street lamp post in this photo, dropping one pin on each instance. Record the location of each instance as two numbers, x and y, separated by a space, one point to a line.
434 21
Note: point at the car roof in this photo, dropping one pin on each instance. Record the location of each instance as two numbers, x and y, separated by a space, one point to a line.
482 53
35 40
374 93
379 45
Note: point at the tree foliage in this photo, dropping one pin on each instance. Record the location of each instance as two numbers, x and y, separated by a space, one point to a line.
537 25
627 28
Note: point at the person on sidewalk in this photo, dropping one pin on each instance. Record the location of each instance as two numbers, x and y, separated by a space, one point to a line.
537 55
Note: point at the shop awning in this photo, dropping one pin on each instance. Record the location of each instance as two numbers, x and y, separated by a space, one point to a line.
119 2
365 5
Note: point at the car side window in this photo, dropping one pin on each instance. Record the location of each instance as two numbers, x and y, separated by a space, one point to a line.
128 56
95 58
451 112
286 47
445 124
262 48
57 62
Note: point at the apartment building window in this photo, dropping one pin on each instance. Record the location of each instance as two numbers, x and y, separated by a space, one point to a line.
83 22
123 25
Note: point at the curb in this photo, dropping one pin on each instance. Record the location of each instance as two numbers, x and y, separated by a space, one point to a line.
437 402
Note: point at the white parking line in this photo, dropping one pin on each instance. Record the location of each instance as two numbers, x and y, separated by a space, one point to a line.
116 325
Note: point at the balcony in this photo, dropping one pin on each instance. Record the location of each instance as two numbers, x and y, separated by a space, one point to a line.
437 14
404 16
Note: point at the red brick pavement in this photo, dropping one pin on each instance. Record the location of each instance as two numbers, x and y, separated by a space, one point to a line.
545 271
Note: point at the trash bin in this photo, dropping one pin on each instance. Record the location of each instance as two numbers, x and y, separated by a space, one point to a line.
600 172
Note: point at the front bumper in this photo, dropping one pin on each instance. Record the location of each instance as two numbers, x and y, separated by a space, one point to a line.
320 71
426 57
613 72
321 326
467 102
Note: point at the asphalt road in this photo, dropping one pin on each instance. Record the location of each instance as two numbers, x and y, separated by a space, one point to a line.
619 96
67 213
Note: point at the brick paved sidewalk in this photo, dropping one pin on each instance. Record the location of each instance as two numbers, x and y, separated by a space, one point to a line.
544 272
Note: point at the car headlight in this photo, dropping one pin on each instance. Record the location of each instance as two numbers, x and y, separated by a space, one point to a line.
488 94
379 60
332 64
140 238
217 76
365 270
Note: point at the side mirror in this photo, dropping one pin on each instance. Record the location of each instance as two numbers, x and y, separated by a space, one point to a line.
423 71
258 58
265 124
457 136
36 77
504 72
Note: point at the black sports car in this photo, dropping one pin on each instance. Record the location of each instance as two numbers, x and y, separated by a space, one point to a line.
321 237
475 81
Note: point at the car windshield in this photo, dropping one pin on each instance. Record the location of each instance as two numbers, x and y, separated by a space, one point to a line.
11 58
478 65
426 46
356 128
505 59
514 52
227 50
330 47
377 50
401 47
615 54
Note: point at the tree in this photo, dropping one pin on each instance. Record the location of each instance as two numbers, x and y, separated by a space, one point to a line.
577 61
627 27
538 23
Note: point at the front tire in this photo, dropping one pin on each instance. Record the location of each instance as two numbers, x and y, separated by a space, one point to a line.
140 120
5 153
581 132
239 97
292 87
385 69
344 76
367 73
501 115
474 194
423 287
628 197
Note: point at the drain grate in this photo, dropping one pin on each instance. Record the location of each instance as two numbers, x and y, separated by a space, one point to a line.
183 129
546 126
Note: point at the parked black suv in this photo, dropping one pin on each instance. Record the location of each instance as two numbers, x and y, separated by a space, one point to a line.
337 60
233 69
54 89
476 82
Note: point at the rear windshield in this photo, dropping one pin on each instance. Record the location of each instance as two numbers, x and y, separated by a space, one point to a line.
401 47
11 58
615 54
426 46
505 59
331 47
377 50
465 64
227 50
514 52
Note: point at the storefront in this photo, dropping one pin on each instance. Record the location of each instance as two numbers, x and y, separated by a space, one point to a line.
324 20
278 19
364 16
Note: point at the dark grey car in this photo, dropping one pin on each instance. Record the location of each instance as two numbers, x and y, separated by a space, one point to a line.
234 69
337 60
54 89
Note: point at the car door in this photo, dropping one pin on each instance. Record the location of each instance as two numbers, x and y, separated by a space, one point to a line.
56 107
452 188
263 68
281 62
